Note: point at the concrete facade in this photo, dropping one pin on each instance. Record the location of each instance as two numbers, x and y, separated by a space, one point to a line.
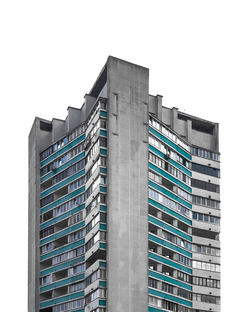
125 195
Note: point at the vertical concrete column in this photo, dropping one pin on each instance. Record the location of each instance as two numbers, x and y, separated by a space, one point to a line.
174 119
127 238
159 106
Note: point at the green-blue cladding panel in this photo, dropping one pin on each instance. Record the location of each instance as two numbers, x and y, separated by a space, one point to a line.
102 303
51 302
102 264
103 245
169 211
62 167
103 170
103 227
170 143
63 183
63 282
169 228
62 233
62 266
62 249
103 113
103 208
61 217
169 262
62 150
62 200
103 189
170 194
103 132
169 297
168 279
103 151
169 177
151 309
169 245
102 283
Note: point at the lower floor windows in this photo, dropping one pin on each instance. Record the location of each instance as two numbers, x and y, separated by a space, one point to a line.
207 282
79 303
206 298
183 277
206 266
76 287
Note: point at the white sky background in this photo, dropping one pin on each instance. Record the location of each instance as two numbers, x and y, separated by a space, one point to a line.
198 53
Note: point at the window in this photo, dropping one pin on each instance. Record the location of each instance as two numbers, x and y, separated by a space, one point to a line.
167 288
76 269
205 153
206 170
79 303
198 200
205 218
207 282
152 283
206 250
184 260
46 248
168 202
75 236
205 185
184 293
169 168
183 277
47 231
206 266
76 287
167 132
45 280
206 298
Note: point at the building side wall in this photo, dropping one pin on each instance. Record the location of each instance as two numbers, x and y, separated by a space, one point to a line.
127 187
33 219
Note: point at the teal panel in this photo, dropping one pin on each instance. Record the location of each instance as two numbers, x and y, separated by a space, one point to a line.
103 132
103 170
62 266
170 143
169 211
51 302
102 283
62 249
62 150
102 264
103 227
169 177
169 262
169 245
103 208
103 245
64 282
103 151
103 113
62 200
170 194
103 189
102 303
61 217
169 228
169 297
168 279
62 233
63 183
151 309
62 167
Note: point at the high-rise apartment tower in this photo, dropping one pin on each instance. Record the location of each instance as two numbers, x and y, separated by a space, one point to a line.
124 204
